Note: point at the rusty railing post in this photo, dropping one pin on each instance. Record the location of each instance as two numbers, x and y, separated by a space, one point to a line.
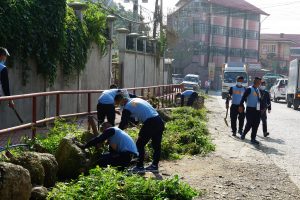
142 93
57 105
33 127
89 109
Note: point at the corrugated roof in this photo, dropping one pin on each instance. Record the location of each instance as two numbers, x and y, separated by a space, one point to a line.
237 4
295 38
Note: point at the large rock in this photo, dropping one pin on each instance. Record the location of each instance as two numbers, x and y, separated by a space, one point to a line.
39 193
32 163
50 167
14 182
71 159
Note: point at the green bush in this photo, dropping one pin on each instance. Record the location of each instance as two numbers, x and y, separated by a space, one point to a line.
59 131
110 184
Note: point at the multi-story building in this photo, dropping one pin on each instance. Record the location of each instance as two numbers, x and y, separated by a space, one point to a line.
277 50
212 32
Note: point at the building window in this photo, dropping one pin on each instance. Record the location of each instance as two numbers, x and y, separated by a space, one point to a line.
196 26
269 48
252 16
236 32
295 51
219 30
235 52
251 53
252 35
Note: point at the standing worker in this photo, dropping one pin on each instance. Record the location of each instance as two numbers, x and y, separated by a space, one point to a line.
4 81
191 95
253 97
152 128
236 93
106 107
265 105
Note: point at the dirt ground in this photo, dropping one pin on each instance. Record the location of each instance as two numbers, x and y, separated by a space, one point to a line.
236 170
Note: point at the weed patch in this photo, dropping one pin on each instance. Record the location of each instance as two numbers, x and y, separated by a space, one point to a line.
110 184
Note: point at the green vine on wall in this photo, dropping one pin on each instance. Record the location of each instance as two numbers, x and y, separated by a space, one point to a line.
49 33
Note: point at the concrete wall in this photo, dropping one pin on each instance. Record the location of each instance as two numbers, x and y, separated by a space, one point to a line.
95 76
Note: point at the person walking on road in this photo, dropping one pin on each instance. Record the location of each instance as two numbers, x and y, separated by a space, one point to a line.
235 93
207 86
265 105
4 80
152 129
253 111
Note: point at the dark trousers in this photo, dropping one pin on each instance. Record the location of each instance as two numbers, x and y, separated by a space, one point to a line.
114 159
253 120
264 121
106 110
152 129
234 115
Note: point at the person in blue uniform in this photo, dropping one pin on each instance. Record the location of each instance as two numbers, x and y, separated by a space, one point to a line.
265 105
235 93
191 95
253 111
121 147
106 107
4 80
152 129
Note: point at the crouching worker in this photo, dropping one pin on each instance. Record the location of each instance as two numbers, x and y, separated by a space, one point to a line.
121 147
152 129
191 95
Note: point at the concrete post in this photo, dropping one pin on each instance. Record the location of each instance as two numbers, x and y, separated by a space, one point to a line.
134 36
154 42
122 35
144 38
110 19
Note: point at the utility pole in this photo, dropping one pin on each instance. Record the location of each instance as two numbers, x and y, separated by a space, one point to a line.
155 16
135 15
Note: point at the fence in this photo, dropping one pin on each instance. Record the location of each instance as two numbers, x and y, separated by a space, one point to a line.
166 93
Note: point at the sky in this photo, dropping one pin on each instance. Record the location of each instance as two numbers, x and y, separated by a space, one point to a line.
284 14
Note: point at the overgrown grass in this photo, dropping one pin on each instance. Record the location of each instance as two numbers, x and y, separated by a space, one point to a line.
185 134
56 134
109 184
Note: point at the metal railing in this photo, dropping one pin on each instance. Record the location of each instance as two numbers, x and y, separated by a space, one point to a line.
163 92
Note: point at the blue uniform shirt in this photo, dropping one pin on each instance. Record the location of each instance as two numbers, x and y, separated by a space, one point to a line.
187 93
108 96
236 94
123 142
253 97
140 109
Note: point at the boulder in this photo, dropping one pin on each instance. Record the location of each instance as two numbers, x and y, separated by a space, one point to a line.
50 166
32 163
39 193
71 159
15 182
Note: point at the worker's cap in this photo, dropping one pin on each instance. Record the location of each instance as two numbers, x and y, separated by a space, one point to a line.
240 78
3 51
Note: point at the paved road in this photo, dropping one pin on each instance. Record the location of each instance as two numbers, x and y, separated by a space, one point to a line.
283 145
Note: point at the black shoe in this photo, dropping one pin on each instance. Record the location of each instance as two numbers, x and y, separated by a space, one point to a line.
233 133
152 168
255 142
243 136
266 134
137 170
241 132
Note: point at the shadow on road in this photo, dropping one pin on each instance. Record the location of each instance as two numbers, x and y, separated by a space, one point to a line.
261 147
268 150
269 139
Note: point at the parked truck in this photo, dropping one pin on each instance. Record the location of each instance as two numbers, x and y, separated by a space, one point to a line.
231 71
293 87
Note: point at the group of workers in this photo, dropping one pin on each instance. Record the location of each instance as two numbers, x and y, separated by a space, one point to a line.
122 148
257 101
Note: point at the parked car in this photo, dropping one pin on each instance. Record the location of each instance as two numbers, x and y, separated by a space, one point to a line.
177 78
191 82
278 90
